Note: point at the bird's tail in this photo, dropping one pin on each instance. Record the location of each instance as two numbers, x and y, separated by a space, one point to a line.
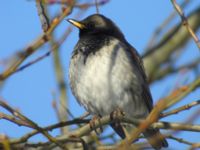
118 129
155 138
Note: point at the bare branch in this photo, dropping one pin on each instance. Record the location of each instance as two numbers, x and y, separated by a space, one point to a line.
182 108
164 72
180 140
97 6
105 121
24 138
186 23
14 120
161 27
172 41
42 15
5 141
33 47
30 122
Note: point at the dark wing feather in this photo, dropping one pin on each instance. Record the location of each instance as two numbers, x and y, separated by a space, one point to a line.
139 64
145 93
150 133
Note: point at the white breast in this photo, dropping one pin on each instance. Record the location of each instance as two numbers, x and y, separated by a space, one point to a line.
106 81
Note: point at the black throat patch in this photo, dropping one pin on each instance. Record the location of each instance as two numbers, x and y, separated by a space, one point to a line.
89 45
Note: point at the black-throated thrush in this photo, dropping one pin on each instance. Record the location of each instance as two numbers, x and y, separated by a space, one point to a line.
106 73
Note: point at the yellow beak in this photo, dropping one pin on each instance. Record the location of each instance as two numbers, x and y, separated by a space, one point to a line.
76 23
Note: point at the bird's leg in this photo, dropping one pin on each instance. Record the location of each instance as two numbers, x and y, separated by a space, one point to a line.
116 114
92 123
86 114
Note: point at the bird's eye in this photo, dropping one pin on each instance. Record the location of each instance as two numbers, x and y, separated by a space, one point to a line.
90 25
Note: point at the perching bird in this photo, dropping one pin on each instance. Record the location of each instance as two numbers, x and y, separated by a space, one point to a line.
106 73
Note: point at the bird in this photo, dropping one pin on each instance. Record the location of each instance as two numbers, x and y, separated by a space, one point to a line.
106 73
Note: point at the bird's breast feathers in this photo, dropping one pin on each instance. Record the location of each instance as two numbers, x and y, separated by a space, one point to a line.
106 80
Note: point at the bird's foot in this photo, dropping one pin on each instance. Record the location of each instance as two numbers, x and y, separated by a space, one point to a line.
116 114
86 114
93 125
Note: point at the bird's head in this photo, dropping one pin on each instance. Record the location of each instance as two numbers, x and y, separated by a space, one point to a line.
97 24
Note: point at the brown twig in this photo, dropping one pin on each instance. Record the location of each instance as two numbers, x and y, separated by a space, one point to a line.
55 107
170 43
59 43
32 62
194 146
97 6
24 138
55 46
179 94
182 108
186 23
42 15
153 117
48 145
63 110
105 121
180 140
32 124
163 72
176 126
161 27
63 5
5 141
175 96
14 120
63 99
77 5
33 47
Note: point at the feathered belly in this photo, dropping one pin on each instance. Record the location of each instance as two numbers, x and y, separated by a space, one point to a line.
106 82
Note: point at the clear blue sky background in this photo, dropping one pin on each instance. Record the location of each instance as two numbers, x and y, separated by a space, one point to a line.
31 90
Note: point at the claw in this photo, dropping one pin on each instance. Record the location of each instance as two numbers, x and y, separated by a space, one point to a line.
118 128
116 114
92 124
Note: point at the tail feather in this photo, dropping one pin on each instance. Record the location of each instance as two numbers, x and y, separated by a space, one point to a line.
156 139
118 129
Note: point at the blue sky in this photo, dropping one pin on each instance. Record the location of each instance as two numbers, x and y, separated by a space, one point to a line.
31 90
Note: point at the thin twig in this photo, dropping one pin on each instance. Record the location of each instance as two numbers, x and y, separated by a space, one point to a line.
63 108
63 5
30 122
180 140
5 141
171 42
155 113
163 72
32 62
14 120
49 128
77 5
38 43
182 108
161 27
42 15
186 23
107 120
195 146
55 46
97 6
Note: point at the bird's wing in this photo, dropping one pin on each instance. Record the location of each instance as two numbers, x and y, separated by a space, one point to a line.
145 88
